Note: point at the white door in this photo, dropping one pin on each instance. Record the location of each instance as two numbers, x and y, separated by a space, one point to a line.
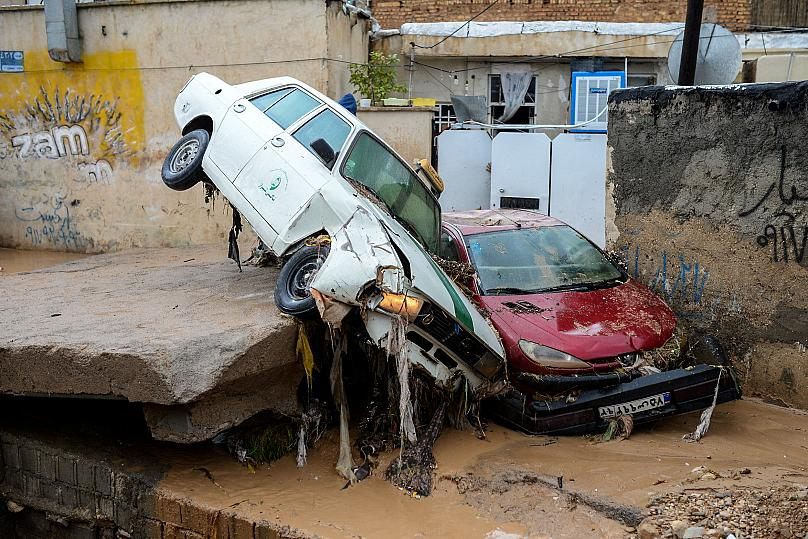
464 157
286 171
242 132
578 191
520 171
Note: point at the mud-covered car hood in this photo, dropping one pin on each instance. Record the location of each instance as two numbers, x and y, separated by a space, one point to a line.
588 325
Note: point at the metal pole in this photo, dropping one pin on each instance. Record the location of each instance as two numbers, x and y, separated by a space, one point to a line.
690 43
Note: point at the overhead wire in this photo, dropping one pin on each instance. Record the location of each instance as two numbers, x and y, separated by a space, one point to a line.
468 22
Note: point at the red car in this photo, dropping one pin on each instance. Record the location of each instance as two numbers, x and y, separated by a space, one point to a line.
572 323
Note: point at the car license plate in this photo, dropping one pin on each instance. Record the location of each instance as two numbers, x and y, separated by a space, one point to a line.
636 406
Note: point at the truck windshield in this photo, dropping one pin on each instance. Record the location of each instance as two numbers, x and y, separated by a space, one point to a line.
544 259
378 169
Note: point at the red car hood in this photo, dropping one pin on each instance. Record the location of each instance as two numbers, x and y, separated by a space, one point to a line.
588 325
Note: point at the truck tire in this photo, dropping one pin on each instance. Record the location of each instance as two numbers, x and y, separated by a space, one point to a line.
292 293
182 168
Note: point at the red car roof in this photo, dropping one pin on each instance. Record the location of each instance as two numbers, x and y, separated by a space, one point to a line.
478 221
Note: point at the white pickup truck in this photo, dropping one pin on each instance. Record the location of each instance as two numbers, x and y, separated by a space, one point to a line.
351 220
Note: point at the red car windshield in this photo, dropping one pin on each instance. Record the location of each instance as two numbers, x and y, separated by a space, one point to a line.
544 259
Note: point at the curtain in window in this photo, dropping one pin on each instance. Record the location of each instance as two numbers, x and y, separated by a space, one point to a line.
514 88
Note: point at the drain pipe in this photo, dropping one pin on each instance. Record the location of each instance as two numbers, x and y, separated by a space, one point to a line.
62 30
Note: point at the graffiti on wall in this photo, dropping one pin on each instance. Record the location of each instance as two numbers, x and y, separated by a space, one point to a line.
68 137
681 281
67 125
784 232
49 221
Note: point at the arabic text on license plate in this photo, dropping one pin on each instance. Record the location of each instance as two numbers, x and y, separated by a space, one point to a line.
636 406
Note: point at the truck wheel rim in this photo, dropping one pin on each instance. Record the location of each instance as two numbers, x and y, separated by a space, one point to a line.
184 156
300 283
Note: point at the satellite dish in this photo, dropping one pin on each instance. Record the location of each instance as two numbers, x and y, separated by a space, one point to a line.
719 57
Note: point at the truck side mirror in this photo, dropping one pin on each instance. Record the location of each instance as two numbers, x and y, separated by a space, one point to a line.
324 151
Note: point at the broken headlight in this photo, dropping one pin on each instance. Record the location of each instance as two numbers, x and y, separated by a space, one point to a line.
550 357
400 304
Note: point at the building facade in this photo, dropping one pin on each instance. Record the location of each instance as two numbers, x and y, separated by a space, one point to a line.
82 143
575 51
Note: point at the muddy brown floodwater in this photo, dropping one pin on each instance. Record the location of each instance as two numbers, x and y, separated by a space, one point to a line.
488 487
17 260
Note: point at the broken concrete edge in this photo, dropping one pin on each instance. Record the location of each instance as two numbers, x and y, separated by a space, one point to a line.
70 488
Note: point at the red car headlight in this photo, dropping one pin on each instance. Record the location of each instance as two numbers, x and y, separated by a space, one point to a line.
550 357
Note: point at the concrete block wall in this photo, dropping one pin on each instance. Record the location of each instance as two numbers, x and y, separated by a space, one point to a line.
77 495
734 14
709 202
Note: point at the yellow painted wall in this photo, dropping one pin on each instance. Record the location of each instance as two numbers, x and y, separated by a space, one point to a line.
81 145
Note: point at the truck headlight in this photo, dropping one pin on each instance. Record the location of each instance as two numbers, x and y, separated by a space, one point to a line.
401 304
550 357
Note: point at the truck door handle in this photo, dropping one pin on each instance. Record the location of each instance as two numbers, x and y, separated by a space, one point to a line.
238 107
277 142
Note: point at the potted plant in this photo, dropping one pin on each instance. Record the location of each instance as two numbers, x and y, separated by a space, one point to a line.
377 78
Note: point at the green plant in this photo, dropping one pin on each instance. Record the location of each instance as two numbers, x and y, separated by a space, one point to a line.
377 78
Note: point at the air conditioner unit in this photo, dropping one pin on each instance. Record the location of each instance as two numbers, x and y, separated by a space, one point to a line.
590 94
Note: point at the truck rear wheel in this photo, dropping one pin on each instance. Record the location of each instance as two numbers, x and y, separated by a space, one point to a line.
182 168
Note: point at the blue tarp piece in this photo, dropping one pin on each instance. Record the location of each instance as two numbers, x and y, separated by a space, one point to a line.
349 102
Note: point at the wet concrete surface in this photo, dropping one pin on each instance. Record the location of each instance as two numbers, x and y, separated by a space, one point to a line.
182 330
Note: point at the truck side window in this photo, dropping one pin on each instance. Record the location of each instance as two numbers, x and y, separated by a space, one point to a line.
286 106
327 126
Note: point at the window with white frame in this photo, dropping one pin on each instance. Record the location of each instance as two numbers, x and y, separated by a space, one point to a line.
444 117
590 94
496 102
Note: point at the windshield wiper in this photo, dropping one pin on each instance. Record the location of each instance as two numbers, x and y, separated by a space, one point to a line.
565 288
608 283
507 290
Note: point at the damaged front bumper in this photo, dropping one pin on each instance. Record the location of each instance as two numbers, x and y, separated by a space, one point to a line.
687 390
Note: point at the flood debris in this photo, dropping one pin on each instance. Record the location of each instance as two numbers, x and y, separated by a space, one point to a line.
396 343
413 469
704 420
232 237
345 464
619 428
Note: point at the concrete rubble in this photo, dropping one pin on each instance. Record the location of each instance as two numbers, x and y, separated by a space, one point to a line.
181 331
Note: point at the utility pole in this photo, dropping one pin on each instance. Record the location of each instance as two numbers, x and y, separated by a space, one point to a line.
690 43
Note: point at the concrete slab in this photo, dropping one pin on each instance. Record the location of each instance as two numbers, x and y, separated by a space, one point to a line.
180 330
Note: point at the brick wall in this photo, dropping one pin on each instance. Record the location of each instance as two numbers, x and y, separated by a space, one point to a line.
734 14
66 495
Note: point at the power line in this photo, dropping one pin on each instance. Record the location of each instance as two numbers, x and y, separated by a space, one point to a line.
192 66
468 22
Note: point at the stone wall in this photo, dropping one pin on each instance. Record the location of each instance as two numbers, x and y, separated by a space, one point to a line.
81 145
734 14
710 194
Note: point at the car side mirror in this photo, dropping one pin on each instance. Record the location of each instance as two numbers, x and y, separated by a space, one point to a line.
324 151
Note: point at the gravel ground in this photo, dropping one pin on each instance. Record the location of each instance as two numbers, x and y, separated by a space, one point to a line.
745 512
